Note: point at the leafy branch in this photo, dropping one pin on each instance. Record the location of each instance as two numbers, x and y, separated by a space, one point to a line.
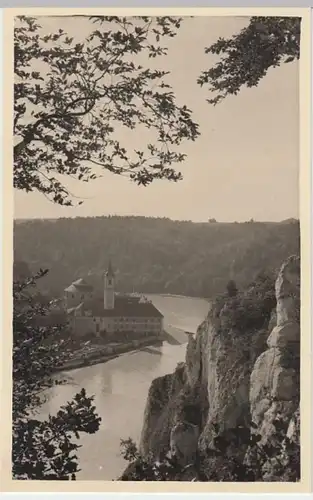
72 99
245 58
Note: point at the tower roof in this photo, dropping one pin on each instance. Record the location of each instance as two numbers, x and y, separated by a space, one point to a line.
124 307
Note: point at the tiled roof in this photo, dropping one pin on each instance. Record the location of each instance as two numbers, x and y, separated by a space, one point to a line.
70 288
123 307
79 284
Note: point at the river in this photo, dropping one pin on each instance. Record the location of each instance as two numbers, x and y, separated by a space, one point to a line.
121 386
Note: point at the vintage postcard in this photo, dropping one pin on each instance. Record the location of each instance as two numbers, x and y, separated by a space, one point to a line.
157 258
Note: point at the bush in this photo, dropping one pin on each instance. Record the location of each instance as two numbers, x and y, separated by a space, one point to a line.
281 456
250 310
232 288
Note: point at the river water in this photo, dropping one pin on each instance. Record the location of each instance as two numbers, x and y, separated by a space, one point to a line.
120 387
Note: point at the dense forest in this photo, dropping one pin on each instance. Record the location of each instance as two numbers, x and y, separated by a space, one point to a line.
150 254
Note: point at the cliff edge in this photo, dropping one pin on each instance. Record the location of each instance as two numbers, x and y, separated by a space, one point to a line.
242 367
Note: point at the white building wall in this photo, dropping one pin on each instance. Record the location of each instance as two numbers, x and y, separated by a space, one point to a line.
108 292
74 298
83 325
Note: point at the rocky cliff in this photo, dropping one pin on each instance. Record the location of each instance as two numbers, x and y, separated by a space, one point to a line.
241 366
275 379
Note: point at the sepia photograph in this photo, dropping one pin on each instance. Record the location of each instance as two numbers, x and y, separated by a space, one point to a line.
156 248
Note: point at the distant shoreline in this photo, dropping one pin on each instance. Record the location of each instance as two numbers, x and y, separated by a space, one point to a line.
157 218
176 296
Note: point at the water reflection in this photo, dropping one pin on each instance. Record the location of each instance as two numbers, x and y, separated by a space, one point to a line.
120 387
105 378
107 383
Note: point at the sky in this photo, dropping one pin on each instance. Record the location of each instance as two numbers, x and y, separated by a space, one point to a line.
244 165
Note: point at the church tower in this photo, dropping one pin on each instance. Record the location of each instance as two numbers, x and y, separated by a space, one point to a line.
109 285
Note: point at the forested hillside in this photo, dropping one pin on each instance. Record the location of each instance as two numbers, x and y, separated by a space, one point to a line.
153 255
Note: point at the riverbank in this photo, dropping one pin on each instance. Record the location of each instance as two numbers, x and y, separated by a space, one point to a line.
92 353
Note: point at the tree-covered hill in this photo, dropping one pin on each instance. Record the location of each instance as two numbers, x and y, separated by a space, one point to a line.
153 255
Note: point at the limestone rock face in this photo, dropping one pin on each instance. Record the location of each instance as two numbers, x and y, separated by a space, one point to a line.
284 336
280 467
275 379
288 292
227 383
184 442
213 389
196 356
160 412
232 372
177 405
293 432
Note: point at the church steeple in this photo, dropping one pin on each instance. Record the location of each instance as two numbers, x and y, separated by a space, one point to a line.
109 285
110 272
